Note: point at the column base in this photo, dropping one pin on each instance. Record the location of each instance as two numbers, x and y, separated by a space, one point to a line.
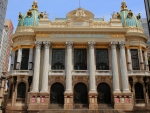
93 100
68 100
123 101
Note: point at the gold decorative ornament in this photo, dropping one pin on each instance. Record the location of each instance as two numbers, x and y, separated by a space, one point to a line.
41 15
20 16
35 6
124 6
138 16
29 13
42 35
118 16
130 14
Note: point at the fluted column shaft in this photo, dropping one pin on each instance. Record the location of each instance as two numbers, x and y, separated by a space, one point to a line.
45 67
30 59
123 67
146 60
92 82
116 86
69 67
129 59
19 57
141 58
35 87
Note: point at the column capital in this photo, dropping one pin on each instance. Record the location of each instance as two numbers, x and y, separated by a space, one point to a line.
69 44
47 44
91 44
113 44
122 45
38 44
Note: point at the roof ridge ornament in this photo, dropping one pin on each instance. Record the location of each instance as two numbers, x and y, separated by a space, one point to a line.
80 13
124 6
35 6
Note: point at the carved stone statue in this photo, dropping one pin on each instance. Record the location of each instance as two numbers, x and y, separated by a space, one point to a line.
20 16
80 13
138 16
114 16
40 15
29 13
45 16
124 6
130 14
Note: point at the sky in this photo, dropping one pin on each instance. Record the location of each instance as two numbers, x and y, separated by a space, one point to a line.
59 8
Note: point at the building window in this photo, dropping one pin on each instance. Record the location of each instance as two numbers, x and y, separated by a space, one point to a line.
144 60
149 90
135 59
15 62
21 90
80 59
58 59
10 91
25 59
102 62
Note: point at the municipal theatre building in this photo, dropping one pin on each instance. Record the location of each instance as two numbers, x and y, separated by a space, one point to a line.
78 62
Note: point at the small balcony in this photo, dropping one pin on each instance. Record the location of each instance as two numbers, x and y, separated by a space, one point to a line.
138 73
80 73
103 72
20 72
57 73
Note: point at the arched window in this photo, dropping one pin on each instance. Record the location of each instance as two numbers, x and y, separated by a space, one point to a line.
21 90
139 95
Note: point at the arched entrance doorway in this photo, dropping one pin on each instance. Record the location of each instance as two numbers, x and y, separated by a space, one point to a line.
139 94
104 94
57 93
80 94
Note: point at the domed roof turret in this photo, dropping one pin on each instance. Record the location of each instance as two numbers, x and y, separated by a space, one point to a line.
128 19
31 18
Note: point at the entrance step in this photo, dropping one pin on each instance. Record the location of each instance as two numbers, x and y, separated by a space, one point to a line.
81 106
105 106
80 111
56 106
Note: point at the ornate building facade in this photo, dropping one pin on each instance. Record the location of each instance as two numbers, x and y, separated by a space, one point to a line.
78 62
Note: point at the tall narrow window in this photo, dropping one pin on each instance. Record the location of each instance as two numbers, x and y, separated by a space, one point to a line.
102 62
80 59
58 59
139 95
15 62
25 59
135 59
149 90
21 90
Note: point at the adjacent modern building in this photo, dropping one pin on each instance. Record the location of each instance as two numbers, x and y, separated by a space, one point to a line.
5 46
3 8
78 62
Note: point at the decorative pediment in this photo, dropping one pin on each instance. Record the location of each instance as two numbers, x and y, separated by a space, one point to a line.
80 15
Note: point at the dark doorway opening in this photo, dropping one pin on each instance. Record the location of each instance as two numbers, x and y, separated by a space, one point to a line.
80 94
104 94
57 93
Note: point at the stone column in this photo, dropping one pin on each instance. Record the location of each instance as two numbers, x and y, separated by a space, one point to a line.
116 86
123 67
35 87
12 60
129 58
30 59
19 57
45 67
69 93
146 60
92 81
141 58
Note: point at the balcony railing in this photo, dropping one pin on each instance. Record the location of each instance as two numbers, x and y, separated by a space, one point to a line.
103 73
21 72
57 72
139 72
80 72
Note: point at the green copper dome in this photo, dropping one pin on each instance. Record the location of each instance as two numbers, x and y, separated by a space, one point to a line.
128 19
31 18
